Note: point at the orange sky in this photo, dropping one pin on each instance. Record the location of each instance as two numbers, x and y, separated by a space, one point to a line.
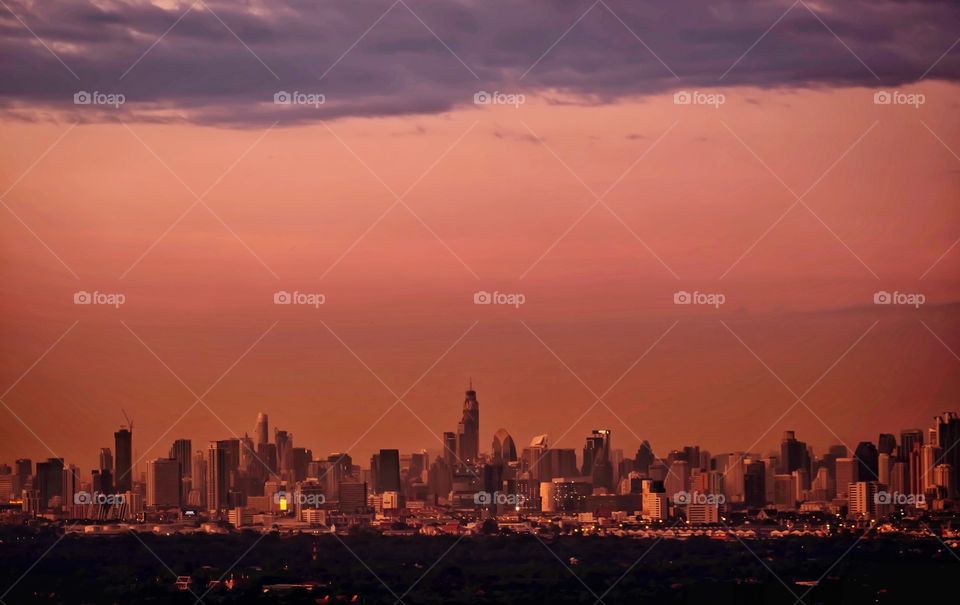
494 203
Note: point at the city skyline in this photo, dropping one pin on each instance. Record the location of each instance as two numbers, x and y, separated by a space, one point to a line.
634 301
433 442
275 454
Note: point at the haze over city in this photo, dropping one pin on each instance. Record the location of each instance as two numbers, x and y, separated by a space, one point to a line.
712 228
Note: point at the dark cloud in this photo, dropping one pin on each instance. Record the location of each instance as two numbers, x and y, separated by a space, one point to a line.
226 73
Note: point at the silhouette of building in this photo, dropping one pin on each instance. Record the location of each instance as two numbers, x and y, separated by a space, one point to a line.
867 461
163 482
596 459
468 431
504 451
386 471
262 429
123 460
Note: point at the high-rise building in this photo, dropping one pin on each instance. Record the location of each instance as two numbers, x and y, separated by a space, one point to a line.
943 481
930 454
265 466
785 491
24 470
163 482
71 484
793 454
948 434
181 451
504 450
218 476
198 475
106 459
754 484
102 480
284 441
644 458
886 443
908 439
562 462
867 461
262 430
534 461
468 431
862 500
846 474
884 466
450 448
596 459
678 478
49 480
353 496
387 472
123 461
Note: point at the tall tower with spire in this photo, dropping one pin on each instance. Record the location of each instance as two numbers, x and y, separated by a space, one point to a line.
468 431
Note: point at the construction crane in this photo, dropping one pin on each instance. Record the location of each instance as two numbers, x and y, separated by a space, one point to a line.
129 422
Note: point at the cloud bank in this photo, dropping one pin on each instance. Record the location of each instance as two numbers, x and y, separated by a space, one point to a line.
220 62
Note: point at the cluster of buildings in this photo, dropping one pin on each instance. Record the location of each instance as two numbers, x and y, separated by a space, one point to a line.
266 481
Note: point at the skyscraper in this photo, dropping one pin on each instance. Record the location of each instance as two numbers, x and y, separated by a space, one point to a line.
218 476
262 432
181 450
504 450
163 482
793 454
387 473
596 459
468 431
908 438
284 441
198 474
106 459
450 448
867 461
886 443
846 474
123 463
644 457
535 462
948 433
24 469
49 480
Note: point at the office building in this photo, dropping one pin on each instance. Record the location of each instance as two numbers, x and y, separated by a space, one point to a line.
163 483
123 460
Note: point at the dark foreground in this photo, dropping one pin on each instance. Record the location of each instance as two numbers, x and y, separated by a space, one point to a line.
495 569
